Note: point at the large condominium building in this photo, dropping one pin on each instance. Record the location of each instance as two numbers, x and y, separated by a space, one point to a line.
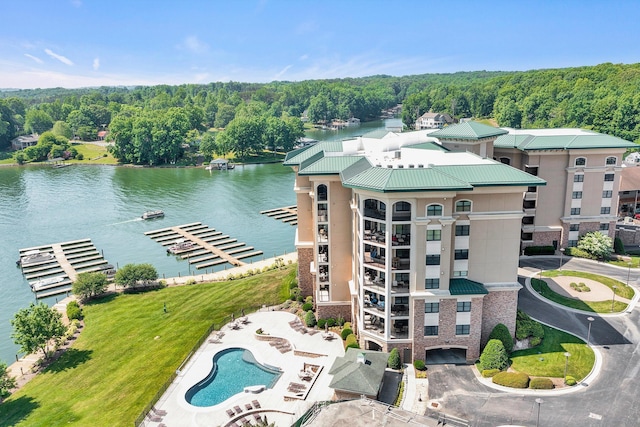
583 171
414 237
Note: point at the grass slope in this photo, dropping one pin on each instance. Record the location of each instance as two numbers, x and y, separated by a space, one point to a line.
129 348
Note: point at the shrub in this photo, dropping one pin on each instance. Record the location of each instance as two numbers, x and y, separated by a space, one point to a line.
80 156
308 300
74 311
394 359
340 321
489 373
352 342
293 285
321 323
539 250
494 356
347 325
526 327
331 322
419 365
307 306
512 379
618 246
295 293
345 333
535 341
541 383
501 332
310 319
579 253
569 380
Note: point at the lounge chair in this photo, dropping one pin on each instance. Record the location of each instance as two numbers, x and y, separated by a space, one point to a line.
154 418
256 404
248 406
160 412
230 413
237 409
257 417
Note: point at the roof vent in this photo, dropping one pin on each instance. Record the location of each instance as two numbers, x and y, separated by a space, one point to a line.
397 154
410 165
361 358
378 165
390 166
420 166
400 166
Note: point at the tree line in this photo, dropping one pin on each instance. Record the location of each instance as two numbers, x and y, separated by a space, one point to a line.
164 124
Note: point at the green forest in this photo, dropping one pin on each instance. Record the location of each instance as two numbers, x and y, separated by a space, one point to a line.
170 124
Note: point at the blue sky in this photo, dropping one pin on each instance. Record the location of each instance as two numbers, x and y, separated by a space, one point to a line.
76 43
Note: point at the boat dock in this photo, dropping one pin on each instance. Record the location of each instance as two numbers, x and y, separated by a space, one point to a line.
56 274
210 247
287 214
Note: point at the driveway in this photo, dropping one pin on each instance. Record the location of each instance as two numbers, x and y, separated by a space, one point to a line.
611 399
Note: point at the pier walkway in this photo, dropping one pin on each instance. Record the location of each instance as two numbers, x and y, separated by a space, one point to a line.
287 214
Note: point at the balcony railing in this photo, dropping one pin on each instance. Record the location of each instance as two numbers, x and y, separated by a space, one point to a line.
375 213
376 262
374 236
402 216
401 240
400 287
399 310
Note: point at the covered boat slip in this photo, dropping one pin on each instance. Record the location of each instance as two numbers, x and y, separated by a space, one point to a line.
210 247
287 214
54 271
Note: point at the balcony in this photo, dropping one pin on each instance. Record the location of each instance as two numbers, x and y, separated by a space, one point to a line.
322 216
377 262
323 293
375 213
402 216
376 285
374 236
400 287
401 240
399 310
323 258
400 263
374 324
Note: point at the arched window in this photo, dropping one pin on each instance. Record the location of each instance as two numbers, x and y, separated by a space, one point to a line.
434 210
322 192
581 161
463 206
611 161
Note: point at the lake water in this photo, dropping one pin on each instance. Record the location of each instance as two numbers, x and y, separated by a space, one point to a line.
40 205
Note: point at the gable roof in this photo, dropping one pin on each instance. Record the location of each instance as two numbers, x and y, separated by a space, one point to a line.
461 286
359 378
468 130
559 139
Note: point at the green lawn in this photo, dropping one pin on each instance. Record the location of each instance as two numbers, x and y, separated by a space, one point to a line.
93 154
634 260
548 360
621 288
593 306
129 348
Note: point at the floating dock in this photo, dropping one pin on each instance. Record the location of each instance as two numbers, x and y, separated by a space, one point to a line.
210 247
287 214
55 275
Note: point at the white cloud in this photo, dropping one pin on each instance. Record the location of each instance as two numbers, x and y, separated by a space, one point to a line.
282 72
35 58
304 57
96 63
60 58
194 45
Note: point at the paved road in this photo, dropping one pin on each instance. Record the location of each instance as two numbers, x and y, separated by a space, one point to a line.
610 400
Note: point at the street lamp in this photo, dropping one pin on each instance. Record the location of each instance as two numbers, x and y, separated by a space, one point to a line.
613 300
539 402
561 254
590 319
566 364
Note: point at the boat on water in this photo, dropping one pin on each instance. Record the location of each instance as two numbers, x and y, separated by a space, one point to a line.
181 246
220 165
33 257
153 214
36 286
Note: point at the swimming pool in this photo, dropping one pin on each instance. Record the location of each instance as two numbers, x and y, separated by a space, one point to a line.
233 370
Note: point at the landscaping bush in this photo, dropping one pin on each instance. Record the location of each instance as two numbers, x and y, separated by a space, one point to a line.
489 373
541 383
494 356
419 365
394 359
340 321
539 250
501 332
569 380
308 300
307 306
331 322
526 327
74 311
295 293
310 319
345 333
512 379
347 325
579 253
618 246
351 342
321 323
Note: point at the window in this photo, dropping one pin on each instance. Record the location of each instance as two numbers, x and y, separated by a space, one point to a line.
505 160
462 329
322 192
609 177
605 211
431 307
434 235
433 259
402 207
607 194
576 195
604 227
572 243
581 161
461 254
431 283
402 300
464 306
611 161
462 230
460 273
575 211
578 177
430 331
574 227
463 206
434 210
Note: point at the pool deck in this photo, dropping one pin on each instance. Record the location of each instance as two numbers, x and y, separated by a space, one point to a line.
173 410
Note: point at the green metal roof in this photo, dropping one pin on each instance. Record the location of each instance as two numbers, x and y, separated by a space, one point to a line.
497 174
430 145
460 286
468 130
359 378
580 141
295 157
327 165
394 180
377 134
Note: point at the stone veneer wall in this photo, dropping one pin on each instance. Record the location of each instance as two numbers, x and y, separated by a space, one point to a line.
447 337
629 237
334 310
305 278
499 307
544 238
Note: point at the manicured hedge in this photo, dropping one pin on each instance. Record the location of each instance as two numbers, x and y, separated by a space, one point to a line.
512 379
494 356
352 342
569 380
501 332
73 310
307 306
618 246
394 359
345 333
541 383
539 250
489 373
578 253
310 319
347 325
419 365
